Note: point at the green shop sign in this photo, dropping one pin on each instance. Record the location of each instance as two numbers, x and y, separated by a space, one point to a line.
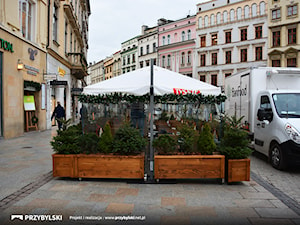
6 45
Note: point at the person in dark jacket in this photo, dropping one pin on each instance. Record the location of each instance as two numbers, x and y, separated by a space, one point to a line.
59 114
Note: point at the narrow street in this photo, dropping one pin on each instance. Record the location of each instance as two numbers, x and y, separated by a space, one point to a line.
288 181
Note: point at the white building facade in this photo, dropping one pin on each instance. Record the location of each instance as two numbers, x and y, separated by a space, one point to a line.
231 36
129 55
147 46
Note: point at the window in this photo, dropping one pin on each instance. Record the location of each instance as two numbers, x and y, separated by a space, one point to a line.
243 55
276 38
189 34
189 57
262 8
154 47
147 49
163 40
206 21
214 58
182 58
258 53
214 79
169 39
292 10
291 62
246 11
232 15
225 17
202 78
258 32
292 36
128 59
133 58
163 61
71 41
276 14
228 37
182 36
214 39
254 10
26 11
218 18
55 22
141 49
239 13
66 37
228 57
200 22
212 19
169 61
244 34
227 74
203 41
275 63
202 60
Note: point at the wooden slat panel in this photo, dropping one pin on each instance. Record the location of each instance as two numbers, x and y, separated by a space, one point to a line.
63 165
96 166
185 167
238 170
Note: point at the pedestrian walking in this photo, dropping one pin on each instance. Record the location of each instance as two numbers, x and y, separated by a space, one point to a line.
59 114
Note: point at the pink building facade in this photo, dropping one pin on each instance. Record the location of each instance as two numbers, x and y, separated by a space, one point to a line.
176 45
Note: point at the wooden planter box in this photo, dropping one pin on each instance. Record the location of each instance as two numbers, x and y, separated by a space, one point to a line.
98 166
63 165
238 170
189 166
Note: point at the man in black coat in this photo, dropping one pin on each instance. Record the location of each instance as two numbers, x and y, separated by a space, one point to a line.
59 114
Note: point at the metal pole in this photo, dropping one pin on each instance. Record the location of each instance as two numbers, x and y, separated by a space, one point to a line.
151 108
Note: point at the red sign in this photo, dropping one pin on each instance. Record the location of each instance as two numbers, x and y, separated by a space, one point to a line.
180 91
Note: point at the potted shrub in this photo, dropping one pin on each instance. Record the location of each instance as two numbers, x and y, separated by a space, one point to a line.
186 163
234 145
206 143
84 155
165 145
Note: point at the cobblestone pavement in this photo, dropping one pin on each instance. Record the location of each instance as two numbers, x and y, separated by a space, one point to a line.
287 181
28 190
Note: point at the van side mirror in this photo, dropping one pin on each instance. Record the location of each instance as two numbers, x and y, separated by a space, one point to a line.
265 114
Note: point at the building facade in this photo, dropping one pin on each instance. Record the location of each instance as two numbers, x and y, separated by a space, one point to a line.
66 54
96 73
176 44
23 45
284 37
129 54
147 46
108 66
231 36
117 65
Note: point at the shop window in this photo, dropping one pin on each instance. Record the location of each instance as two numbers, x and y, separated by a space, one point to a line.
291 62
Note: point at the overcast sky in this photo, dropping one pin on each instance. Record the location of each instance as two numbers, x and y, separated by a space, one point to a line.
114 21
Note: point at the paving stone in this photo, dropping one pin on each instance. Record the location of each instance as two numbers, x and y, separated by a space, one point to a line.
276 213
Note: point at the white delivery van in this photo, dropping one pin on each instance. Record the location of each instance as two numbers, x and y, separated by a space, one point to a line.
269 100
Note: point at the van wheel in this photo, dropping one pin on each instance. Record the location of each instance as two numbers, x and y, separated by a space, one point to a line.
276 157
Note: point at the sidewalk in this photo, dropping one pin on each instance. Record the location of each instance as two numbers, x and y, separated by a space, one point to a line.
28 189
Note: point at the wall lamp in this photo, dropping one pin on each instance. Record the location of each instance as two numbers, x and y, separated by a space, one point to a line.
20 65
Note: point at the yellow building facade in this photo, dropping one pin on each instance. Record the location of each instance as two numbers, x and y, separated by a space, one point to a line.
23 40
284 33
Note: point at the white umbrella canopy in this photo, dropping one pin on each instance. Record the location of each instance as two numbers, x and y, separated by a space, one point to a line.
164 82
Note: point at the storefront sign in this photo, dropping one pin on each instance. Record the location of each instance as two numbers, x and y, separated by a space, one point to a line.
61 72
6 45
31 70
29 103
58 83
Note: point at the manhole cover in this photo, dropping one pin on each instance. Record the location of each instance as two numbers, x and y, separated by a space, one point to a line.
27 147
